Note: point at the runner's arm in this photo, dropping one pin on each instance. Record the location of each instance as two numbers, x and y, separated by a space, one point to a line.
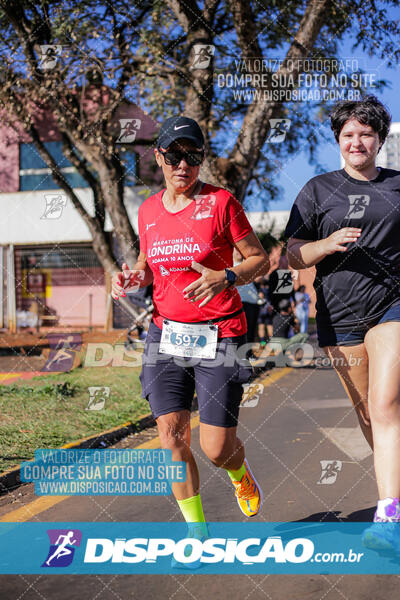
127 278
212 282
303 253
255 263
142 265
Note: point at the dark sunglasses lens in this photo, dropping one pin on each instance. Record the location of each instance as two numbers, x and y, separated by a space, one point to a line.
172 158
193 159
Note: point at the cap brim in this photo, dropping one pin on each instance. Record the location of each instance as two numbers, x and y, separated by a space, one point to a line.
167 141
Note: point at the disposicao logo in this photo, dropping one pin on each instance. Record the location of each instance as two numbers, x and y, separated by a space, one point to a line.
212 550
62 547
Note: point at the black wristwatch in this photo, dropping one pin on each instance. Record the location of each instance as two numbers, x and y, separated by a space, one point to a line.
230 277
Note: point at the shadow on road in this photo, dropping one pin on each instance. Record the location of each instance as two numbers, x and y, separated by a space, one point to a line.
365 516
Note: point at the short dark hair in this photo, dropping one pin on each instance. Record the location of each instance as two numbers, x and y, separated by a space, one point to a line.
368 111
284 304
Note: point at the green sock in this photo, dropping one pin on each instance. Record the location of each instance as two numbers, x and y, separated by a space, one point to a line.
236 475
192 511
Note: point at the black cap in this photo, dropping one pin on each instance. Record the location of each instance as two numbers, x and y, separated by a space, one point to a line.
176 128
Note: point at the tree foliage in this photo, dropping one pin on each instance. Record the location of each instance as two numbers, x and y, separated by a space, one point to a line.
145 53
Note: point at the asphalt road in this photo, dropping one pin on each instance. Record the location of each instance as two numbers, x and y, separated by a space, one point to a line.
301 419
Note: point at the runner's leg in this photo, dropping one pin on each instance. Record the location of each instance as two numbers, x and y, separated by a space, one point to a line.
175 434
382 343
225 450
351 364
222 446
219 387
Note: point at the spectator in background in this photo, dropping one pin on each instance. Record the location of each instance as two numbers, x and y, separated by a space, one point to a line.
284 324
250 300
281 284
263 288
266 312
302 307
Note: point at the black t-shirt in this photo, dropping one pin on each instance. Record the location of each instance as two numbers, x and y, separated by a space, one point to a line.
281 325
355 286
280 287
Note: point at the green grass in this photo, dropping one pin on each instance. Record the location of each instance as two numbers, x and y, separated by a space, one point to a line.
49 411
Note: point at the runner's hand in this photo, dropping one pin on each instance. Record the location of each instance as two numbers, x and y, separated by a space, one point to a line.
125 280
334 243
205 287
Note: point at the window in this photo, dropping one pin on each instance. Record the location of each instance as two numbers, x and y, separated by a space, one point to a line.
129 158
392 147
34 174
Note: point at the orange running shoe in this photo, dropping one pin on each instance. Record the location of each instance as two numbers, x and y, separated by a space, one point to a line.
248 493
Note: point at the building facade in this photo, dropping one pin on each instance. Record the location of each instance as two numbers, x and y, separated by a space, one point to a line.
47 263
389 156
45 246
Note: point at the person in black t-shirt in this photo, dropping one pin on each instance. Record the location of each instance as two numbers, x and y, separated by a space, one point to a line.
281 284
284 323
283 320
347 223
266 312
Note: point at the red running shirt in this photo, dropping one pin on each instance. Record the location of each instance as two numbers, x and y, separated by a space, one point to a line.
204 231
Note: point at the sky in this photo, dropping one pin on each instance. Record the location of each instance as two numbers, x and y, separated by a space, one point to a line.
298 170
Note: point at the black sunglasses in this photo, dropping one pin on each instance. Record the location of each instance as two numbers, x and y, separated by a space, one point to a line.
174 157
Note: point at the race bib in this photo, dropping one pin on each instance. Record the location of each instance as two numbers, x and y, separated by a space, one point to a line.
189 339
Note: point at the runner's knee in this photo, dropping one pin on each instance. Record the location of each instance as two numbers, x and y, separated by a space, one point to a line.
173 431
219 452
385 407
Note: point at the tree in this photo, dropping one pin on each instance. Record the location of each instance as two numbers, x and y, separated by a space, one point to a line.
167 57
73 93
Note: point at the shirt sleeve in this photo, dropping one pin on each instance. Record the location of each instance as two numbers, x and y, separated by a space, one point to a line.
236 224
142 234
302 222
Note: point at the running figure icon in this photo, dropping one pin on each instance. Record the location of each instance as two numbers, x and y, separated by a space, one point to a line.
358 203
285 281
62 549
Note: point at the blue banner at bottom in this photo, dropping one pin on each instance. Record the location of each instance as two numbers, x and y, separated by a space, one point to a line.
151 548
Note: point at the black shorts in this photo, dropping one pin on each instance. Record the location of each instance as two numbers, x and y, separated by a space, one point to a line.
264 317
168 382
329 336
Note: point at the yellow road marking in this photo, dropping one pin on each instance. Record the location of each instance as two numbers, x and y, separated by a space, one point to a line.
43 503
33 508
5 376
275 376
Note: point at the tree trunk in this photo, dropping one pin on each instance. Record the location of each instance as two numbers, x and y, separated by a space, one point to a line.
111 181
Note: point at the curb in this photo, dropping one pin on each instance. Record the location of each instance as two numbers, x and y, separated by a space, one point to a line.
10 479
